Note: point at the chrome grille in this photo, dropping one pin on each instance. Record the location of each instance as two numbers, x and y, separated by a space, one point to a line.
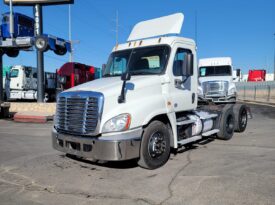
215 88
78 113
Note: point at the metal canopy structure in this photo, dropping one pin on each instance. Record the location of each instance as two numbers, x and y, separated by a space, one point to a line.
41 2
157 27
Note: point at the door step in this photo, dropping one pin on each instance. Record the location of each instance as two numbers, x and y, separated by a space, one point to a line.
208 116
209 133
188 140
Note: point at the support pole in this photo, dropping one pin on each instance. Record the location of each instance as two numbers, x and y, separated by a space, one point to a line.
1 78
38 15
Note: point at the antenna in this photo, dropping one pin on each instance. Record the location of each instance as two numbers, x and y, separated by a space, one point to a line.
196 27
116 27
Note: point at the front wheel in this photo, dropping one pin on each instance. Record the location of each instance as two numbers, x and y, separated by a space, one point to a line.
155 146
227 122
41 43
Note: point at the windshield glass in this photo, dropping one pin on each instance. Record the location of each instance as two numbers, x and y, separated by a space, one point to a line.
14 73
215 71
140 61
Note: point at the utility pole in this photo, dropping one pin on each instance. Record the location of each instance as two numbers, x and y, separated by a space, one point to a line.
11 20
38 15
71 54
70 35
274 59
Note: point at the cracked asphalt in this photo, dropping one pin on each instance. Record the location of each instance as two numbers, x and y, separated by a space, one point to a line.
239 171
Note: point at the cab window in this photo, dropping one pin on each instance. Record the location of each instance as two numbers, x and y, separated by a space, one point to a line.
179 60
14 73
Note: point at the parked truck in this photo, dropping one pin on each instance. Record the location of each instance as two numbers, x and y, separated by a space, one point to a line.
146 103
256 75
23 83
72 74
216 80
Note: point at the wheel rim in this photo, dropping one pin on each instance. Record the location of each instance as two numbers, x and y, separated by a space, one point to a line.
243 118
230 124
40 43
157 145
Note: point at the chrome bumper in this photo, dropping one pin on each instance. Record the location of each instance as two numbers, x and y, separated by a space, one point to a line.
109 147
214 98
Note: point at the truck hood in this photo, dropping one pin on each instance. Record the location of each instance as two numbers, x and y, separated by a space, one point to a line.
215 78
112 85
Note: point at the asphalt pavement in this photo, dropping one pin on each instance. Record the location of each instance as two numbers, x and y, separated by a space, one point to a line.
239 171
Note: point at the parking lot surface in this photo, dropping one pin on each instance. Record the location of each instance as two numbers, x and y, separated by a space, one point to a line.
239 171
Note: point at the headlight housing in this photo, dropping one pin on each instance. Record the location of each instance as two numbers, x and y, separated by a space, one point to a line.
117 124
200 91
232 91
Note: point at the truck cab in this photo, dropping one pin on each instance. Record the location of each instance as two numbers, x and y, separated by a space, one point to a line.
216 80
144 105
23 25
23 79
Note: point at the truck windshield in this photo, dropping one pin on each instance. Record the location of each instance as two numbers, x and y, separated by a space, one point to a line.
14 73
215 71
140 61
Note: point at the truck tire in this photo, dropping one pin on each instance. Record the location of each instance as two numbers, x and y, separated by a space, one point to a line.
41 43
240 112
227 123
155 146
60 50
13 53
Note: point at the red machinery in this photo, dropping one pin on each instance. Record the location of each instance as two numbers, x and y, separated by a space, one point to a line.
72 74
256 75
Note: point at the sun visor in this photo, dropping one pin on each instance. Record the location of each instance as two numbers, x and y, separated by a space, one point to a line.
157 27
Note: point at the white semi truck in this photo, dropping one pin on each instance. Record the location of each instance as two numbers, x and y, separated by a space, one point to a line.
216 80
146 103
23 83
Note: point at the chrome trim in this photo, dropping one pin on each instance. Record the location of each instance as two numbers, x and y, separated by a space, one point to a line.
87 101
215 88
115 147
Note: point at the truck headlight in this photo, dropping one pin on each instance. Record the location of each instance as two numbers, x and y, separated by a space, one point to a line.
232 91
116 124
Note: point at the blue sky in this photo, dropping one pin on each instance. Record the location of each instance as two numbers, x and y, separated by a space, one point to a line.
242 29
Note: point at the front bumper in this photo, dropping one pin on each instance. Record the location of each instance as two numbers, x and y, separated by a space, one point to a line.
110 147
217 99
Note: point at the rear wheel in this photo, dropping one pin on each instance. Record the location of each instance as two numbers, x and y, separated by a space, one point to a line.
241 117
227 122
155 146
60 50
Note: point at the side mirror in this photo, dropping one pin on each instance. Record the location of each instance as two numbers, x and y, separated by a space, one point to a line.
187 67
103 67
238 72
125 76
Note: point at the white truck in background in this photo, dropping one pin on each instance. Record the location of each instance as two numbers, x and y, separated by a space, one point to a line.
216 80
23 83
145 104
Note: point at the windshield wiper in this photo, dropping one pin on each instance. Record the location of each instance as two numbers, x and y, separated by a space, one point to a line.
141 73
110 75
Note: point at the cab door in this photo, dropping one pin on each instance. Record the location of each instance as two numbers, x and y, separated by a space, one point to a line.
181 92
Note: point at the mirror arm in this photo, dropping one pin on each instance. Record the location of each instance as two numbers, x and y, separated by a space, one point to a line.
121 98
